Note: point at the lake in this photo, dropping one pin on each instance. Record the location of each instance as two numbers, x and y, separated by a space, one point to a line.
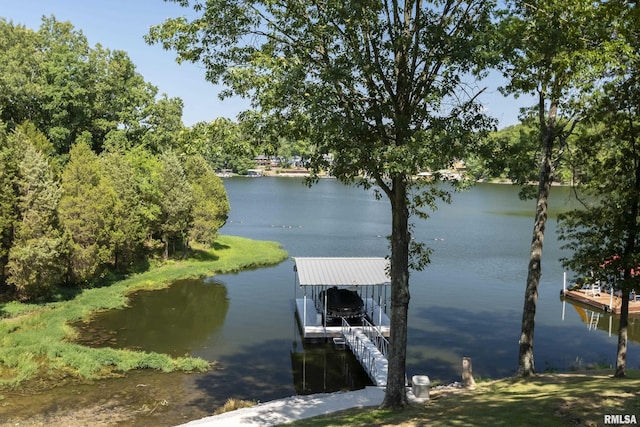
467 302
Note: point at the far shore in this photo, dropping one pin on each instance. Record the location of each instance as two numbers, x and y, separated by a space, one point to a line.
305 173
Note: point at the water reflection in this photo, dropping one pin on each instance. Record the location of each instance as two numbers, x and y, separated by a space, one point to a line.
604 321
322 368
175 320
189 318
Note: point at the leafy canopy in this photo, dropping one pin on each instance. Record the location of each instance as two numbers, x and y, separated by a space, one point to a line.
377 84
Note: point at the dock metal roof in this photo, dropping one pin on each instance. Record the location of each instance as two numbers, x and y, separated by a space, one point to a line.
342 271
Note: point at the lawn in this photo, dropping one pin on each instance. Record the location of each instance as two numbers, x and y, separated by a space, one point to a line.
571 399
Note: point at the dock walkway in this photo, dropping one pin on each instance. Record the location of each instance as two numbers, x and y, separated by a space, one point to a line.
369 354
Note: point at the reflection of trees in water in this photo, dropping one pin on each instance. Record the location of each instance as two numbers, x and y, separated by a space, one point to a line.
442 336
174 320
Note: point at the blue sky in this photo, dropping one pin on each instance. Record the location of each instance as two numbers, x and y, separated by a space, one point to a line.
121 24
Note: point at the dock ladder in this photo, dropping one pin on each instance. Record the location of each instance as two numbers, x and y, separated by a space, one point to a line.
370 348
593 321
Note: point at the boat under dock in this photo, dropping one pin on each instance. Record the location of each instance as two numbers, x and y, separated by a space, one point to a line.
312 327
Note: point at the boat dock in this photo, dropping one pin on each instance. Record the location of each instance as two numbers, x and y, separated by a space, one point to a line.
601 300
366 340
312 326
366 331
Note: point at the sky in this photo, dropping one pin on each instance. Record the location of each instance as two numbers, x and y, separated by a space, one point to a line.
121 25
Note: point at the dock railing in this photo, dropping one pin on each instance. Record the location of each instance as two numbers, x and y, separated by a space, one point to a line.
362 348
373 333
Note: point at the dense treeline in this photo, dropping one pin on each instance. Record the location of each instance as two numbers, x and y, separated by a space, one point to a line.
97 172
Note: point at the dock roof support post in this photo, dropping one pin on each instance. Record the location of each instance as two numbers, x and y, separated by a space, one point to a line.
325 313
304 315
380 314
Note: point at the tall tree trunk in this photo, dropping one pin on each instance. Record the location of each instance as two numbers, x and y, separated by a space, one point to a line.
629 250
396 395
526 365
621 355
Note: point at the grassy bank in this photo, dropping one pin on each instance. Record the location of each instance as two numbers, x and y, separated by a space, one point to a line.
547 400
36 340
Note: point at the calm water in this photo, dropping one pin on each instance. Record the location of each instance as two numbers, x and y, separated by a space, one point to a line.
466 303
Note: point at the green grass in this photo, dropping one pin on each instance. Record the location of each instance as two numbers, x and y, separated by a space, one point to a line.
546 400
36 341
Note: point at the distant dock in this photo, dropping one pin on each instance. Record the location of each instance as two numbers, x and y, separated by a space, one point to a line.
601 300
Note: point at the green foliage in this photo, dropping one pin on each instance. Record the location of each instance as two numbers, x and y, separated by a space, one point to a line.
338 95
20 81
130 227
86 190
549 50
147 175
605 238
66 88
176 202
608 229
221 143
553 51
164 124
37 251
86 214
8 197
210 204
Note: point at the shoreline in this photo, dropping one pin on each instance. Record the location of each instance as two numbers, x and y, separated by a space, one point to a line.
39 342
304 173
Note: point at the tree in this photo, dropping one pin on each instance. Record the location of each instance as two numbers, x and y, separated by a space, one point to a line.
176 203
54 79
8 197
20 74
119 98
221 143
163 124
66 75
378 84
605 236
130 227
210 203
550 51
508 153
87 214
37 251
147 179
